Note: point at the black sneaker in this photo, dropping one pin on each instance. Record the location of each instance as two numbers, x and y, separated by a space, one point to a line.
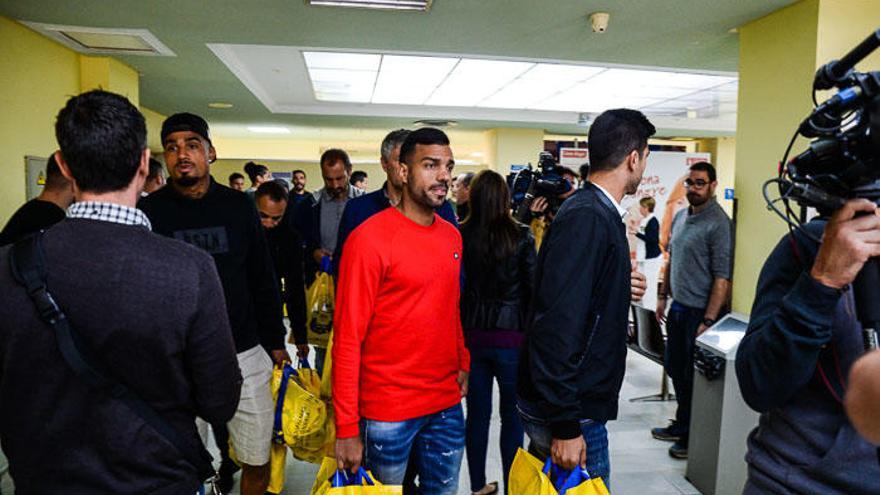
679 450
672 433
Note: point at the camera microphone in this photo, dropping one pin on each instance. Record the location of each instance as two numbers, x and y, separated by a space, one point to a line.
836 72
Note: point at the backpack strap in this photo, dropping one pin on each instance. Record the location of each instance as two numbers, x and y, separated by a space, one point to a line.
27 261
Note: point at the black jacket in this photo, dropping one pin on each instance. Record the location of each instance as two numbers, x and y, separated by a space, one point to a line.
285 246
36 214
498 297
575 353
225 224
651 238
152 310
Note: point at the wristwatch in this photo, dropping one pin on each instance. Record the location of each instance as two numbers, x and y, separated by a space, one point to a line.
708 322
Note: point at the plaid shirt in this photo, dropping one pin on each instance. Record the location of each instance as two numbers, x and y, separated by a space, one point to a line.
109 212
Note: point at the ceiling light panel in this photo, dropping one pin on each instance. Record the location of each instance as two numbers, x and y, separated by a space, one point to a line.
410 80
539 83
468 82
473 80
417 5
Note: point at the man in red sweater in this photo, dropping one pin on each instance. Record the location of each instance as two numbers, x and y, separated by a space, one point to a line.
400 366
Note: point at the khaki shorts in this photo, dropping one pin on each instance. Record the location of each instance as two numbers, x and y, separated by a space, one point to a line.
250 430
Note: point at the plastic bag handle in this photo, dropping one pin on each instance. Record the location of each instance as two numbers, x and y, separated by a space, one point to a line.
565 479
277 429
342 478
326 265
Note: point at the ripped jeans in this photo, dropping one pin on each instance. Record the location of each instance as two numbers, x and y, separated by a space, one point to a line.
437 442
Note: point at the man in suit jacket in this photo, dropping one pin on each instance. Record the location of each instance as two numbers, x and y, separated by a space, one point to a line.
106 270
573 361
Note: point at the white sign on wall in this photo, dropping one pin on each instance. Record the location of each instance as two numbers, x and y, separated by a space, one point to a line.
573 158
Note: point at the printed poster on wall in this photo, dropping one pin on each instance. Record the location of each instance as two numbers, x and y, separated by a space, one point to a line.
664 181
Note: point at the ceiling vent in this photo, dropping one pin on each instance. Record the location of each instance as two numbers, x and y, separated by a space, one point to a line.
416 5
103 41
436 123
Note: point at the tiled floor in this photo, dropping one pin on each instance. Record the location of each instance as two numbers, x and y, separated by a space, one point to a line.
639 464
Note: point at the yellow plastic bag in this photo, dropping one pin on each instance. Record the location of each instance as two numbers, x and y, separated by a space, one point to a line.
330 482
303 418
319 309
529 476
277 461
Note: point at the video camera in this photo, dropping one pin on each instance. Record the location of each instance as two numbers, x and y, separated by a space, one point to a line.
841 162
528 184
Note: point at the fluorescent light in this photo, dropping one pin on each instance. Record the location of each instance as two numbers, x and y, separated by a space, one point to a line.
267 129
473 80
418 5
344 61
410 80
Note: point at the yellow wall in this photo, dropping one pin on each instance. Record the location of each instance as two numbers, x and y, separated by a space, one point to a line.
154 129
777 62
506 147
37 76
779 55
110 75
723 151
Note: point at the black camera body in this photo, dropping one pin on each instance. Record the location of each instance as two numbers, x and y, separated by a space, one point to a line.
841 162
528 184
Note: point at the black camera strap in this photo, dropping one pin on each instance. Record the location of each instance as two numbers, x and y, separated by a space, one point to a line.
27 260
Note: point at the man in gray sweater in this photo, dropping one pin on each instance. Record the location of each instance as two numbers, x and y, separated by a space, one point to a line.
698 278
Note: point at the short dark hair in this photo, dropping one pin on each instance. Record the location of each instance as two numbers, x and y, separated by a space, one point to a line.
705 167
424 136
54 178
584 171
102 137
273 189
235 176
357 176
155 169
393 140
297 171
615 134
255 170
334 155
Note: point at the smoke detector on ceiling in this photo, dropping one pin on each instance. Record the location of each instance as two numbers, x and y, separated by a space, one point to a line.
599 21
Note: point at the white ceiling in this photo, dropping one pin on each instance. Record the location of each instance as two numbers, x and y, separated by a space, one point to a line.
306 80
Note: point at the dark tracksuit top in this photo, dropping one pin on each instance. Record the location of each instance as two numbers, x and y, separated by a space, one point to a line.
225 223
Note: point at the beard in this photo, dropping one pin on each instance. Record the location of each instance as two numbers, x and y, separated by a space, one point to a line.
186 181
696 200
297 187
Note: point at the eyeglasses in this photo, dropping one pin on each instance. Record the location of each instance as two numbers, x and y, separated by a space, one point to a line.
695 184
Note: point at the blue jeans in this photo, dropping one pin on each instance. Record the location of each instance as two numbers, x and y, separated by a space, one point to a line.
594 432
488 363
438 444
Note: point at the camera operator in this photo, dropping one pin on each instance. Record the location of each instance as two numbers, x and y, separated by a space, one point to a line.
802 339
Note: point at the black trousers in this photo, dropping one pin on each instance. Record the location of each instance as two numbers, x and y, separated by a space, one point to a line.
681 330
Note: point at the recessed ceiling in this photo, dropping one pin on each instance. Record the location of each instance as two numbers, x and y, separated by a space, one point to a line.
294 80
679 34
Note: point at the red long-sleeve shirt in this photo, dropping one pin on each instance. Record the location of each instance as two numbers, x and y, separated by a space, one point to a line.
397 343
